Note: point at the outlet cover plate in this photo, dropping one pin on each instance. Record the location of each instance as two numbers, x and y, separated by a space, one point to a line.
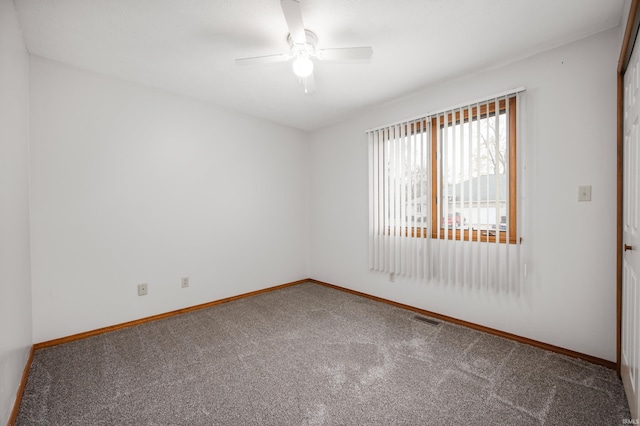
142 289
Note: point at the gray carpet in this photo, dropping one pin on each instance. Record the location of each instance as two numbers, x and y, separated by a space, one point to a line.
312 355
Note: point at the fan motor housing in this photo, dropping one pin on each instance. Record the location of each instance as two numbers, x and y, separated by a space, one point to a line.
305 49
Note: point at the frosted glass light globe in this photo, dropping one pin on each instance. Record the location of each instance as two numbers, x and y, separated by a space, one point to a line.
302 67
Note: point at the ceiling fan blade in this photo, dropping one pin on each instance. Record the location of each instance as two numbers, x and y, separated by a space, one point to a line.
345 54
257 60
293 16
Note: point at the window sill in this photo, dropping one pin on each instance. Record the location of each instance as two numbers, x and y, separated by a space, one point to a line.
458 235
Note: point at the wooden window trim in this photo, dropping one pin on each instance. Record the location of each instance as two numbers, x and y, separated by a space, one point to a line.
475 235
467 235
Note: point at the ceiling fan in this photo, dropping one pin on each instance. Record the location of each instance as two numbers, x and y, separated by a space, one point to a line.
303 48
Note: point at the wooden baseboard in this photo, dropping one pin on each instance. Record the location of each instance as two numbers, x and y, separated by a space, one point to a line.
99 331
493 331
471 325
23 383
84 335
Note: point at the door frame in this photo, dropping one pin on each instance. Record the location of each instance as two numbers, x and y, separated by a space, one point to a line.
631 30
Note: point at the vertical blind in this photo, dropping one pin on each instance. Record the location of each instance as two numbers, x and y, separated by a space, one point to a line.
443 201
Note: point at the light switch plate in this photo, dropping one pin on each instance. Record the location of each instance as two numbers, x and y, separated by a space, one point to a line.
584 193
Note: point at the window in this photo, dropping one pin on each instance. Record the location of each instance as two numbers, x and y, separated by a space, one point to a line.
443 178
473 172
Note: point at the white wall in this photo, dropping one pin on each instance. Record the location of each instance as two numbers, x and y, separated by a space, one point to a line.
15 286
569 140
132 185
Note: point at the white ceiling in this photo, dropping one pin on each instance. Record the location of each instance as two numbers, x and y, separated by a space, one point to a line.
189 46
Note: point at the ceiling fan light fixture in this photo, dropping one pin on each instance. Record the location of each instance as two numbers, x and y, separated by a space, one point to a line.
302 66
302 43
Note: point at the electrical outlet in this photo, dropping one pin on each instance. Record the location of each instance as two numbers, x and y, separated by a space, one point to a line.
185 282
392 277
142 289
